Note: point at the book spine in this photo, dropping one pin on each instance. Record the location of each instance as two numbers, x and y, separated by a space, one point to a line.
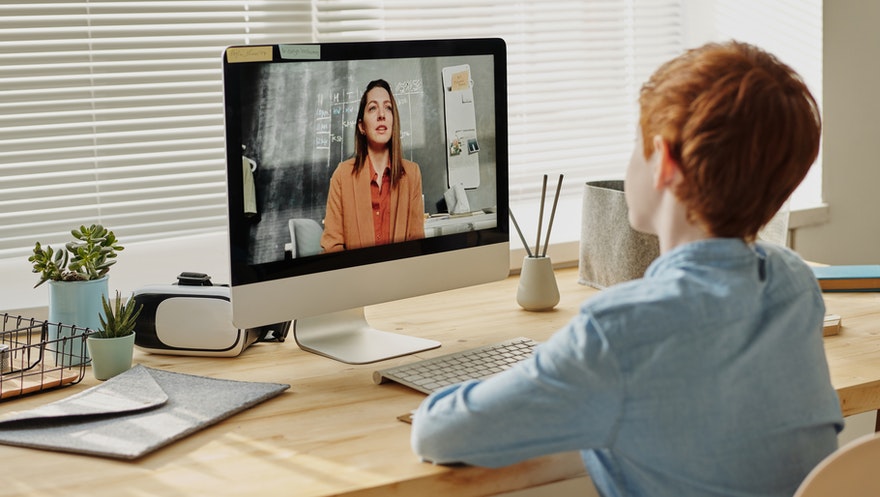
849 284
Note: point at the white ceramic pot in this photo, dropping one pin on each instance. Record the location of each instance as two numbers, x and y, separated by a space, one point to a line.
537 290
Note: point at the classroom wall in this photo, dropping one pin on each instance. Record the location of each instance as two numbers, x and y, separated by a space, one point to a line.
851 146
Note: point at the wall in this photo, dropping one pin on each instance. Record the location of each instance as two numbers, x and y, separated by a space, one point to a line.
851 148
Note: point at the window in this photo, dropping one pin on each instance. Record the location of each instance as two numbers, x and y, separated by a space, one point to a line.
112 112
790 29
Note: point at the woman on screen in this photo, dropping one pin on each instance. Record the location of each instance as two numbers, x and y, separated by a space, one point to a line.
375 197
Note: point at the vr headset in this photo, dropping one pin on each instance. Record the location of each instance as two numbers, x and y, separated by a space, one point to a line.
194 317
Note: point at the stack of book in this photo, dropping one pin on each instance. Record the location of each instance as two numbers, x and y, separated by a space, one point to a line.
848 278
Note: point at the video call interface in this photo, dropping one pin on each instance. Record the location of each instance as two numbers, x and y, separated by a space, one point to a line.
297 121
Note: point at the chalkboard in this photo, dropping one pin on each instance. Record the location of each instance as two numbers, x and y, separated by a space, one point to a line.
298 124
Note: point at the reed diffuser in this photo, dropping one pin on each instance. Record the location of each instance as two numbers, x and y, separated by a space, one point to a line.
537 289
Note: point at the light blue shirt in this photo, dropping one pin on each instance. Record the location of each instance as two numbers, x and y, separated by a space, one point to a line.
707 377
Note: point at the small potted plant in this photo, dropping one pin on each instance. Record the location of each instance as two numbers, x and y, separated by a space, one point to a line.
112 346
88 257
77 276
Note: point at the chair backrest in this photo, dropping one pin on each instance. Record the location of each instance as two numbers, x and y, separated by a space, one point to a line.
305 237
851 471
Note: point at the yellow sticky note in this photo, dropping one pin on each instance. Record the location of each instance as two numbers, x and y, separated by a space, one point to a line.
249 54
460 81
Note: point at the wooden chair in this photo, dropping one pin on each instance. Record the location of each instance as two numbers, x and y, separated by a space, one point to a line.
851 471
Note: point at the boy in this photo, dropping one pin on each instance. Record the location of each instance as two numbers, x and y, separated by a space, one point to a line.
707 377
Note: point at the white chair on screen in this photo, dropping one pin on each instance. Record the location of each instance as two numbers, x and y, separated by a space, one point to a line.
305 237
851 471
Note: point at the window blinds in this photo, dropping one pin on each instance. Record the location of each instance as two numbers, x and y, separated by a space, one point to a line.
791 30
111 111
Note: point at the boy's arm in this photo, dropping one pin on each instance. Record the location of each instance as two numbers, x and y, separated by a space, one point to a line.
567 396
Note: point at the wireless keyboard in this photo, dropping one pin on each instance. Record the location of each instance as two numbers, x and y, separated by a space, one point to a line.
482 362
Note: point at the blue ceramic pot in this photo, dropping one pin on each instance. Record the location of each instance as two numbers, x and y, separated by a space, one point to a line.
74 303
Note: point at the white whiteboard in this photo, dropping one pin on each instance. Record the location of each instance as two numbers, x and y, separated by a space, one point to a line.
462 145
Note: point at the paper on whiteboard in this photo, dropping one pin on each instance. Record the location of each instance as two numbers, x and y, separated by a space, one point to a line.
462 143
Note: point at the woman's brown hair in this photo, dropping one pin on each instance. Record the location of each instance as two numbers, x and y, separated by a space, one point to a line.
360 139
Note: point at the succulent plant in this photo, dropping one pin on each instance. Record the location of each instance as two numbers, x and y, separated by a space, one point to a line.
88 257
118 320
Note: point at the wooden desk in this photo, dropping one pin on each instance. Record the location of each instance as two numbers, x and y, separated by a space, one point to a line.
335 433
854 354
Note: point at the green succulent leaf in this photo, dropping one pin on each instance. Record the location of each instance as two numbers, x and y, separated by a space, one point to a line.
87 257
119 319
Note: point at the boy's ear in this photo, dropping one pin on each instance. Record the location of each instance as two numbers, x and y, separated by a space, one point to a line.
668 171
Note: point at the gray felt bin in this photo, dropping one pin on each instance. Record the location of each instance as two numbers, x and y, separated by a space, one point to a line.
610 250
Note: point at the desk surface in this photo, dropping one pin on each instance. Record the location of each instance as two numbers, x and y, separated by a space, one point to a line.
334 432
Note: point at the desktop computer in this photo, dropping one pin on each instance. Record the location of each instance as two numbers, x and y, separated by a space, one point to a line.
291 119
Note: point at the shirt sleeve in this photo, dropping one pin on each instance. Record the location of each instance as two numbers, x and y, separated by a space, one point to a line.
416 222
567 396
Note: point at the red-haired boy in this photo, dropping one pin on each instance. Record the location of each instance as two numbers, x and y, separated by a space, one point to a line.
706 377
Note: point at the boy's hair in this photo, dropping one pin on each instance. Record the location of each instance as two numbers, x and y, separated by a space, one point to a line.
743 128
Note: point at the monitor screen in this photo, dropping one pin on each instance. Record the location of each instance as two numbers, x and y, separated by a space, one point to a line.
360 173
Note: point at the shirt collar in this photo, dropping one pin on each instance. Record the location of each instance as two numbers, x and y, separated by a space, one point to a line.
715 252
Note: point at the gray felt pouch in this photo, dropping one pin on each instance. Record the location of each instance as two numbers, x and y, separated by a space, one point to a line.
610 250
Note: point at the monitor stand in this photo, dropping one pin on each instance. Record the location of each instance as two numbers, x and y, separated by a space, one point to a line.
347 337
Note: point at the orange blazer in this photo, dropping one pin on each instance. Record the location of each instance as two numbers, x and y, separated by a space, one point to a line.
348 223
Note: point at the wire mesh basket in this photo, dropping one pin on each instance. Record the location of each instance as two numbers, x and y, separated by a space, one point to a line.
38 355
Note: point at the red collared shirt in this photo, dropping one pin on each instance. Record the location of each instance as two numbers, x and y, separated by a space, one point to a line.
381 206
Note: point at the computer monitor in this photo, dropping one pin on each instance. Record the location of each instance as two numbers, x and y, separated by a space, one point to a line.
291 118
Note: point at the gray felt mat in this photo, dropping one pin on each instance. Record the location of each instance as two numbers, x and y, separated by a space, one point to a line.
133 413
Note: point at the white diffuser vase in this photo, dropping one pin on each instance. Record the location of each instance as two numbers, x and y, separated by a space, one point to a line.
537 290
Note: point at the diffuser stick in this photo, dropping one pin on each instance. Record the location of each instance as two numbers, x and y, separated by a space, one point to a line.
521 237
541 216
552 215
